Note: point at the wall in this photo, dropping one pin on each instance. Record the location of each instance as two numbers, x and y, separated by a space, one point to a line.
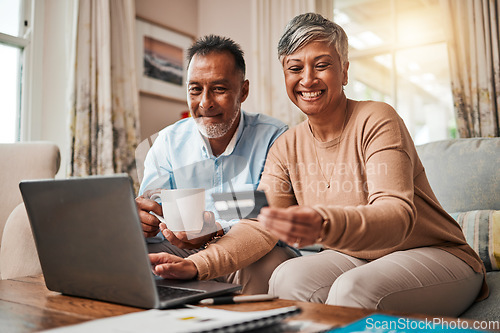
225 17
54 120
156 112
196 18
230 18
53 123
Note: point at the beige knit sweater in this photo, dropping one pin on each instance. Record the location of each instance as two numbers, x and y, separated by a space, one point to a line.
379 199
244 244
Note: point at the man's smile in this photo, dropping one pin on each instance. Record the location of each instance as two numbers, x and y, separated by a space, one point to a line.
211 115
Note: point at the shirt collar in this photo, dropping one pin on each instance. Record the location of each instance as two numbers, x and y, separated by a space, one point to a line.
230 146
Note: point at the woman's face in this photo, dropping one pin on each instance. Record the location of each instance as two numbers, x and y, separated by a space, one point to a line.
314 78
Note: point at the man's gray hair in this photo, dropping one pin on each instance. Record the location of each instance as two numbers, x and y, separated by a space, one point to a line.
309 27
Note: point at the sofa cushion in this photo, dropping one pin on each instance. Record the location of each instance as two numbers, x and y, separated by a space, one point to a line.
482 232
489 308
463 173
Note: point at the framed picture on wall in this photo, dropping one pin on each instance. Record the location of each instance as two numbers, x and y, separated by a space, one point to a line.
161 60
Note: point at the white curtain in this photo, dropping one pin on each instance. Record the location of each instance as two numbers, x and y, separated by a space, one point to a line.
104 102
269 18
473 44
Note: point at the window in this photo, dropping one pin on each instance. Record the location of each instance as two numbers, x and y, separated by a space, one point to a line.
13 42
398 55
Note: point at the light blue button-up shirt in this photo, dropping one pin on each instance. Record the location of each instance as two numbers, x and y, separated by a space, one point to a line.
181 157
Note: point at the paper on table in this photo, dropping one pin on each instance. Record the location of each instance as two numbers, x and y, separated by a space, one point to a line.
185 320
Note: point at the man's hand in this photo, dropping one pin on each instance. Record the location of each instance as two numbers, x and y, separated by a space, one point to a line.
186 240
169 266
149 223
298 226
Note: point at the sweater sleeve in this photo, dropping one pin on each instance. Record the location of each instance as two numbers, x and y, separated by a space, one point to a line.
244 244
390 212
387 219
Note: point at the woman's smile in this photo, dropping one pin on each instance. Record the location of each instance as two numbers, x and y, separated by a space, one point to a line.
311 95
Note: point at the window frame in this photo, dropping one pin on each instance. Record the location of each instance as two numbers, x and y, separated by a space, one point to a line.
29 94
392 48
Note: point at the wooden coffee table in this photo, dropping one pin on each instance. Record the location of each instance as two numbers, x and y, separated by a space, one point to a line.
26 305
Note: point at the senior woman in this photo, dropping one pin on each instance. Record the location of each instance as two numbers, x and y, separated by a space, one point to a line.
349 178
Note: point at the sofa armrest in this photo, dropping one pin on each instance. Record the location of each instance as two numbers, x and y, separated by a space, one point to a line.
18 255
20 161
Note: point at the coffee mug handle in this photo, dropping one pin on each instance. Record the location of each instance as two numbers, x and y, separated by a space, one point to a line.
154 197
159 217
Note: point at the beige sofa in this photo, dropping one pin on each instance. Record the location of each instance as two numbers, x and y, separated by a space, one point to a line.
19 161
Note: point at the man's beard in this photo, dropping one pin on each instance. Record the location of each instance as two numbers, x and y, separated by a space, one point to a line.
214 131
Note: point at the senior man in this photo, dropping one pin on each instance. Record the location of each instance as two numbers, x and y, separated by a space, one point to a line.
221 149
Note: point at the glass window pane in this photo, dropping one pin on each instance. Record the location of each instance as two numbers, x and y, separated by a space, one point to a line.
419 21
424 92
370 79
10 17
367 23
9 93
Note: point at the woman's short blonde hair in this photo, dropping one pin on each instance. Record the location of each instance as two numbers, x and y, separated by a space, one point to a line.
309 27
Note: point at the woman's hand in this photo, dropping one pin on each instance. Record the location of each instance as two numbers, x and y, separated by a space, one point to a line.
298 226
169 266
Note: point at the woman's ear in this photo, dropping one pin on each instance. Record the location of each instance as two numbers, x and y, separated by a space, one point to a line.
345 79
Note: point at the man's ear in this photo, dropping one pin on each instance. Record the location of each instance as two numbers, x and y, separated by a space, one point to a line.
244 91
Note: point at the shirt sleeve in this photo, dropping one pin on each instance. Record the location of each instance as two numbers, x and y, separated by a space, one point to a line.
277 134
157 168
157 175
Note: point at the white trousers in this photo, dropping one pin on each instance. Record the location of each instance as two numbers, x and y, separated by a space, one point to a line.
423 280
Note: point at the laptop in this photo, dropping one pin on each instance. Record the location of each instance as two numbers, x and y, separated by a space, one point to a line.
90 244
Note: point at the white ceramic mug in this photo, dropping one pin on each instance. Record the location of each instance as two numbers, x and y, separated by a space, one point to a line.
182 208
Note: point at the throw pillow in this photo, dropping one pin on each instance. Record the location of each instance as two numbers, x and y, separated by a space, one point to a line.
482 232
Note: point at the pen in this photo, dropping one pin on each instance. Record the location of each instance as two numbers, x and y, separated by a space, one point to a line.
237 299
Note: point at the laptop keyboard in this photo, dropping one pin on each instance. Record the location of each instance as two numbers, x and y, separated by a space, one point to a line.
166 292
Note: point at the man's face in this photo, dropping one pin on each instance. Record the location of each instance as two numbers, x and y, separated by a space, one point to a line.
216 90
